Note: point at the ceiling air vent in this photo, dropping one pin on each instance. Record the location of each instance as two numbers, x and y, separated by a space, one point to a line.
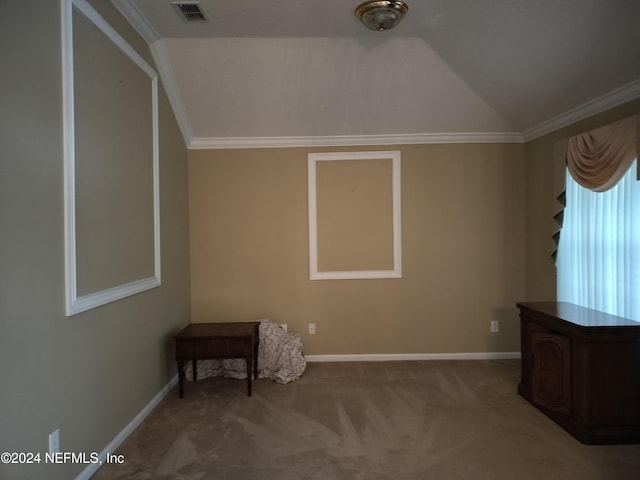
190 11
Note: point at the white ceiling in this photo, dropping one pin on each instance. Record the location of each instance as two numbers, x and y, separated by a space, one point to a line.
289 72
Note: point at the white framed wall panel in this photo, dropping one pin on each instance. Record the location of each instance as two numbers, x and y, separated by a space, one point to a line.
111 174
382 186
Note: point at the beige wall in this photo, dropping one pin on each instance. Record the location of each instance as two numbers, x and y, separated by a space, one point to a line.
91 373
463 251
541 274
468 231
354 215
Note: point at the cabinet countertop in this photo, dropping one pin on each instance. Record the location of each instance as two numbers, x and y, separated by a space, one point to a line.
581 316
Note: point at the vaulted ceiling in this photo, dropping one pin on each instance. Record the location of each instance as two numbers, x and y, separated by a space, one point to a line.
294 72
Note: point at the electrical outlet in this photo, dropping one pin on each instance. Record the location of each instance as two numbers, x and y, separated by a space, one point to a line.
495 326
285 327
312 328
54 441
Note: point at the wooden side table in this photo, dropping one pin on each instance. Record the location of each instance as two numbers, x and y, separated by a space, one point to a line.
204 341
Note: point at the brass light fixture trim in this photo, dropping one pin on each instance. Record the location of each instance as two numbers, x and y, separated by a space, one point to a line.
380 15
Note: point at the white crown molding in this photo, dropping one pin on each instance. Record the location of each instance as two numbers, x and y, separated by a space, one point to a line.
139 22
612 99
199 143
392 357
163 64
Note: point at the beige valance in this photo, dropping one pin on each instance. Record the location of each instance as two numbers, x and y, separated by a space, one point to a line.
596 159
599 158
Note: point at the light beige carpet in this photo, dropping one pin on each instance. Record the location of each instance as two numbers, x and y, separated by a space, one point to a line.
383 421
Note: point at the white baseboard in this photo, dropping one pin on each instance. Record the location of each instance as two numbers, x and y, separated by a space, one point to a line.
389 357
88 472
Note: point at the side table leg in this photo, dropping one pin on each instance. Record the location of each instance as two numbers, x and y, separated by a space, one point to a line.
180 378
255 362
249 362
256 346
194 364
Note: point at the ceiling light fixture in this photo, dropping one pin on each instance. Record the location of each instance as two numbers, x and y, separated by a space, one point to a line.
381 15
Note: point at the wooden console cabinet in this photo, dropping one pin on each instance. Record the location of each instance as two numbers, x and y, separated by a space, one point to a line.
581 368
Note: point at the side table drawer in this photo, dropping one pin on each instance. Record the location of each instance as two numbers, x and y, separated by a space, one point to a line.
214 348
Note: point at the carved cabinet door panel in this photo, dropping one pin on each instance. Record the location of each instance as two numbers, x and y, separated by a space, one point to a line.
551 376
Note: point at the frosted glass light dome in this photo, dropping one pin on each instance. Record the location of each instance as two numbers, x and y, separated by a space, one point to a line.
380 15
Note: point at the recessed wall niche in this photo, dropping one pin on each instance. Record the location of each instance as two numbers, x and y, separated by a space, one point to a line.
112 239
354 215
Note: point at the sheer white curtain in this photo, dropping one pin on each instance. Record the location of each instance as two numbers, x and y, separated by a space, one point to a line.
598 261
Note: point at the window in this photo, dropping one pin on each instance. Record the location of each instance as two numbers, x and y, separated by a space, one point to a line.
598 259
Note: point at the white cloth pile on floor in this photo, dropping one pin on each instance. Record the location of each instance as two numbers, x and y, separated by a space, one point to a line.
280 358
